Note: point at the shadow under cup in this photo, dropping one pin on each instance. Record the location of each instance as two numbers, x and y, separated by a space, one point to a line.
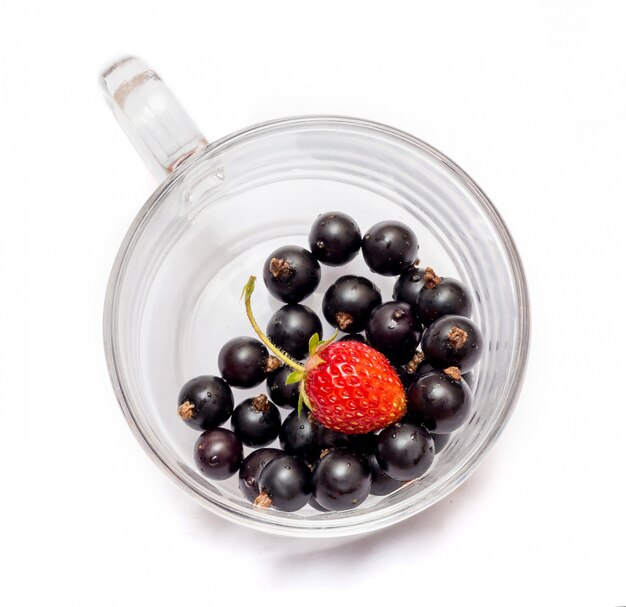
174 294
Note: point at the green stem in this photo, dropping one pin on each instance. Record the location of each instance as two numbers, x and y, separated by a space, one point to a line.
247 294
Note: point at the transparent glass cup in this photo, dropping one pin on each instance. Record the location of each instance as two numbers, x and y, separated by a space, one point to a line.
174 293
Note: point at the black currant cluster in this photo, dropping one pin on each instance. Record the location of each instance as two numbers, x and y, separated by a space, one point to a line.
425 332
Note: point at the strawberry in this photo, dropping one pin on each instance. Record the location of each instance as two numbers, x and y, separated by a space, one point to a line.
354 389
348 386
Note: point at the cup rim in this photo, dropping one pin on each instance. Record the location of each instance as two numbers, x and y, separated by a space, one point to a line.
356 522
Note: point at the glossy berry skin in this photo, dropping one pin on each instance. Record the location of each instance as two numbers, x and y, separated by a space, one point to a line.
330 439
406 376
286 481
408 286
334 239
440 441
256 421
298 436
389 248
356 337
291 273
251 469
423 368
313 503
281 393
439 402
291 327
354 390
244 362
448 297
341 480
349 301
405 451
393 330
205 402
218 453
453 341
382 483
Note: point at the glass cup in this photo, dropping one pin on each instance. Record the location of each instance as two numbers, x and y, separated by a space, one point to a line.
174 293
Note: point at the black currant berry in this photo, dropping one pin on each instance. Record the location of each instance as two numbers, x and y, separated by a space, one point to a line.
280 392
393 331
334 239
251 469
218 453
205 402
341 480
440 400
408 286
244 362
291 327
440 297
453 341
284 483
389 248
382 483
291 273
349 301
256 421
405 451
298 436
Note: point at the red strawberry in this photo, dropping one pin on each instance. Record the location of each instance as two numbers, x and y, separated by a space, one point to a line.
349 386
354 390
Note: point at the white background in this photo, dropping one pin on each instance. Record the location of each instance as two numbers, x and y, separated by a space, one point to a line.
529 97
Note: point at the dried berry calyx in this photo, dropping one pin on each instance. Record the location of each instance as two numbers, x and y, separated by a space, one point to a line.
261 403
186 410
453 372
280 268
263 500
398 314
431 280
272 364
415 362
457 337
344 320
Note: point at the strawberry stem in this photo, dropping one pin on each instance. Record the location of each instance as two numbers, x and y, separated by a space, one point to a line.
247 294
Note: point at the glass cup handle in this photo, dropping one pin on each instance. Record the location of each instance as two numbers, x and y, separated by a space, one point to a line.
151 116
